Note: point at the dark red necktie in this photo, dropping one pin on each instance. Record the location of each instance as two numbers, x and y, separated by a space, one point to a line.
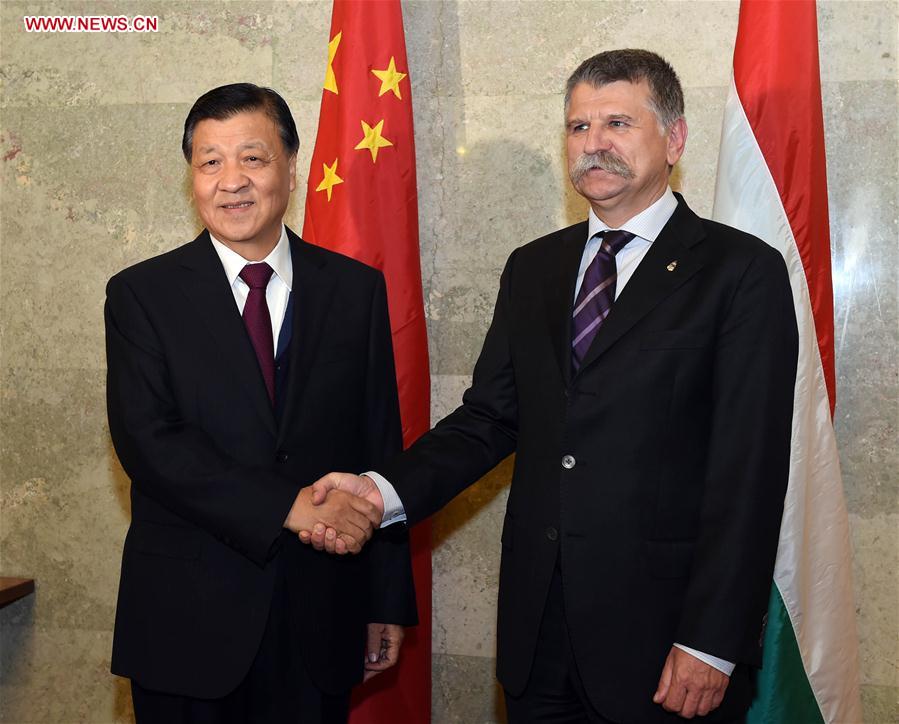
259 322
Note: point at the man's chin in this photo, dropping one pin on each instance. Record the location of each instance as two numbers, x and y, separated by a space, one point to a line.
600 190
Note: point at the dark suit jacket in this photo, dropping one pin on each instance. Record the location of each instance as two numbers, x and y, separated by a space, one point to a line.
214 474
665 518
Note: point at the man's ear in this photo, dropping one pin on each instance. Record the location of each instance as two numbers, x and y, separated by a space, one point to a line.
677 140
292 170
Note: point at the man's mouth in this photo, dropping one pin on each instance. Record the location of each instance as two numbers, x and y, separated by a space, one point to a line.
239 205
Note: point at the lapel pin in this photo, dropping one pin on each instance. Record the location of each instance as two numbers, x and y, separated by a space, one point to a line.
672 266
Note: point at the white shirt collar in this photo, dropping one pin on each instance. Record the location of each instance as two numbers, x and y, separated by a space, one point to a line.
648 224
278 259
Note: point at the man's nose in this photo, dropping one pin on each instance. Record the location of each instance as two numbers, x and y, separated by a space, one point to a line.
233 178
596 139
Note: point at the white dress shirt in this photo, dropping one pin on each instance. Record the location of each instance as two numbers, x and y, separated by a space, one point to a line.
646 226
277 293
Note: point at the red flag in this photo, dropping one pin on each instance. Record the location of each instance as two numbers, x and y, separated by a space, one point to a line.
776 74
361 201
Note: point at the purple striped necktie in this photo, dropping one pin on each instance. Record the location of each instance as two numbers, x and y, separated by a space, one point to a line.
258 321
596 295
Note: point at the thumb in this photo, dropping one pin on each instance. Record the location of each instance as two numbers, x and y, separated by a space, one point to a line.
322 486
664 682
373 644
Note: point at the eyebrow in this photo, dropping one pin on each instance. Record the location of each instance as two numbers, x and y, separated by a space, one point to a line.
577 120
242 147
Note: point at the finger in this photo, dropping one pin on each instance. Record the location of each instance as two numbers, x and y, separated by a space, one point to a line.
373 643
321 487
394 643
691 703
674 700
705 702
355 526
718 696
361 505
346 544
664 682
363 523
343 515
318 536
305 536
331 540
341 544
382 664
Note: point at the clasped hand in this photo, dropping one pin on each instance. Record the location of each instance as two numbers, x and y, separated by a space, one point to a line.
337 514
333 519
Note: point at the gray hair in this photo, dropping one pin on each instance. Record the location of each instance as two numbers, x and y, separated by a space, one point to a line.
633 65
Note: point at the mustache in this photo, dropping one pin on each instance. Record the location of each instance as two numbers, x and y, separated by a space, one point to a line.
605 160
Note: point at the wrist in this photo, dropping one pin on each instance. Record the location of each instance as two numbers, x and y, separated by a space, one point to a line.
373 495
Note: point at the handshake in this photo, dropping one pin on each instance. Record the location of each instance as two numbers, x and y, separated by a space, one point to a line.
338 513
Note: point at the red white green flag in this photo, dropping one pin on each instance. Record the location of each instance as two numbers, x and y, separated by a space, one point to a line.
361 201
772 183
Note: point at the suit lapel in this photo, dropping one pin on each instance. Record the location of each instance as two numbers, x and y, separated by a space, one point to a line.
559 292
652 281
204 283
312 294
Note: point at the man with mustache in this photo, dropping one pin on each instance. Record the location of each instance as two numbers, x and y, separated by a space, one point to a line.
641 365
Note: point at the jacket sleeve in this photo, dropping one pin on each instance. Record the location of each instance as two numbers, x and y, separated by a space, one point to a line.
392 589
747 467
172 461
473 439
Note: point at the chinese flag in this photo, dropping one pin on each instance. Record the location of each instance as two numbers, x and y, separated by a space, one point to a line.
361 201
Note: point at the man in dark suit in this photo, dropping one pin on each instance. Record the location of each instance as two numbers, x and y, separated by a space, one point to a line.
242 366
641 364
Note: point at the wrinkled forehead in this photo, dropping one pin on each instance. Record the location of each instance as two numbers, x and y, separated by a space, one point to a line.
245 130
620 96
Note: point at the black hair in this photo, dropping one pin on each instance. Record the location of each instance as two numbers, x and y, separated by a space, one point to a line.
229 100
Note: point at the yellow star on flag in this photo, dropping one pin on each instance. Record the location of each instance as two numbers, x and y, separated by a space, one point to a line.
372 139
330 78
390 79
331 178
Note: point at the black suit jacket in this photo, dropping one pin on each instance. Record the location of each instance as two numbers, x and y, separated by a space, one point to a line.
214 473
665 517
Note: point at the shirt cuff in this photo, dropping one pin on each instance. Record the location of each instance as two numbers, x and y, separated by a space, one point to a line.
393 506
725 667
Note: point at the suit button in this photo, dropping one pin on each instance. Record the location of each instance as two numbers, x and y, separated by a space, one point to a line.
568 462
552 533
282 457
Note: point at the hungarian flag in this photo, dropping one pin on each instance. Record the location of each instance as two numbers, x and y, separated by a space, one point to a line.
772 183
361 201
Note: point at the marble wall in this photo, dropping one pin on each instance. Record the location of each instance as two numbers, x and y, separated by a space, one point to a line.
93 180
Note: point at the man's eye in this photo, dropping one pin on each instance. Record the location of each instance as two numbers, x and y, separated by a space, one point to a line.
618 124
210 162
253 160
578 127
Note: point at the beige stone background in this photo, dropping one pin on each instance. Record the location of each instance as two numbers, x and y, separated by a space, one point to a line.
93 180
